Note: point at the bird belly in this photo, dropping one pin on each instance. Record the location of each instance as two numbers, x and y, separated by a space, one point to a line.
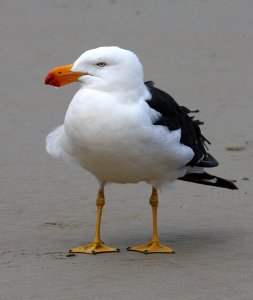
121 145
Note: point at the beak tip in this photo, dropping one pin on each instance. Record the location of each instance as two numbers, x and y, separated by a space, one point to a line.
51 80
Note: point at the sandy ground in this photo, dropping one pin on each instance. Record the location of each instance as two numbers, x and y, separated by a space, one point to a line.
201 53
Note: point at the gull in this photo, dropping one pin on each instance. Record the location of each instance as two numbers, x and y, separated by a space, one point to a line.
124 130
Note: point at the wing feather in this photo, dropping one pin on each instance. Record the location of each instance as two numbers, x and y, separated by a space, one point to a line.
175 117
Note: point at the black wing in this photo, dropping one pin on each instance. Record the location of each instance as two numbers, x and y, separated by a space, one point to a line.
174 117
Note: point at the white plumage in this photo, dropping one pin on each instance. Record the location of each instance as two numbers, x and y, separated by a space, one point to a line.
123 130
108 128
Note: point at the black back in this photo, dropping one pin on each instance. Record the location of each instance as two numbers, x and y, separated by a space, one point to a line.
174 117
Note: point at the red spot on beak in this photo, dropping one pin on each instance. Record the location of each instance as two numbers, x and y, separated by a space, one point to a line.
51 80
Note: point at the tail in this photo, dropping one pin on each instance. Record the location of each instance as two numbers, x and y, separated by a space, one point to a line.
208 179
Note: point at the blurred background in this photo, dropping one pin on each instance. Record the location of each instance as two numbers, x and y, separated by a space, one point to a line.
200 52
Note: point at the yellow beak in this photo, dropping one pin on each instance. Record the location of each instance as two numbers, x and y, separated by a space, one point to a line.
62 75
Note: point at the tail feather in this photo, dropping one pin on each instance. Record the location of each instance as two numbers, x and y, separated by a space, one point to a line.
208 179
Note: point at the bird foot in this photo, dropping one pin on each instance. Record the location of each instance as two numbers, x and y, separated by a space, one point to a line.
151 247
93 248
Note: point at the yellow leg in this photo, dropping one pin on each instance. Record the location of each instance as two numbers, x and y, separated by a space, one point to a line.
97 246
154 246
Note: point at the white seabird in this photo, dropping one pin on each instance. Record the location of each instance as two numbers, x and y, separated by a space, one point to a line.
124 130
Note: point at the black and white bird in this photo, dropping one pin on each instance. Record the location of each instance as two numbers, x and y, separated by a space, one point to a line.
124 130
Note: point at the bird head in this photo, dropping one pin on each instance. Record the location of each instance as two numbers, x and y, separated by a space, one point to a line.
101 68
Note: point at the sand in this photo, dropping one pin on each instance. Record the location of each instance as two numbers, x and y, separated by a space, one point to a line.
198 51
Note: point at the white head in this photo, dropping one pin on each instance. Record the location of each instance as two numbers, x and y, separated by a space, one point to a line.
103 68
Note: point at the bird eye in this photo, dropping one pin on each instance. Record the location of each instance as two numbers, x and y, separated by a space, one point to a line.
101 64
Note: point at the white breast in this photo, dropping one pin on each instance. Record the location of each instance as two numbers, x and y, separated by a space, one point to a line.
117 141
